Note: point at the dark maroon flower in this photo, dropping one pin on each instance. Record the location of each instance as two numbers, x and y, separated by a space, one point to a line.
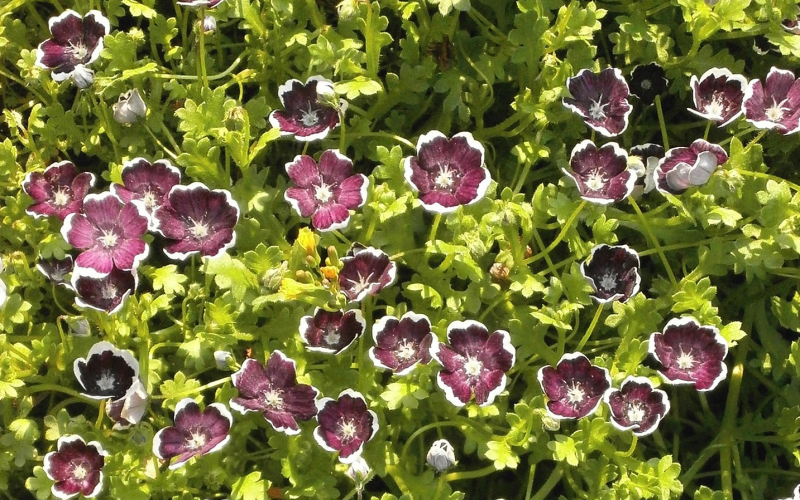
792 25
196 4
107 372
613 273
718 95
76 467
402 343
274 392
574 387
110 232
473 362
56 270
345 425
649 154
602 175
147 184
648 81
365 271
637 406
59 190
775 104
601 99
77 41
308 115
447 173
196 219
331 332
325 192
683 168
128 410
690 353
196 432
107 293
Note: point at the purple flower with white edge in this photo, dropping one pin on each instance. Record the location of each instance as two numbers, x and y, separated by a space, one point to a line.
76 467
331 332
327 191
683 168
56 270
447 173
637 406
402 343
601 99
76 42
59 190
107 293
574 387
273 390
775 104
647 82
365 271
345 425
792 25
690 353
147 184
128 410
308 115
649 154
110 233
473 362
602 175
196 219
197 4
613 273
718 95
107 372
196 432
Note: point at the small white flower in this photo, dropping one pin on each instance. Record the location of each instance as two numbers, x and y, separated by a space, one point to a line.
129 108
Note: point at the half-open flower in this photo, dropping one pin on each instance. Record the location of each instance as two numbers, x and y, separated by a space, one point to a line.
574 387
327 191
602 174
792 25
128 410
76 42
308 116
129 108
613 273
365 271
683 168
196 219
649 154
473 362
601 99
331 331
56 270
637 406
648 81
775 104
345 425
402 343
690 353
718 95
107 293
147 184
76 467
107 372
273 390
59 190
196 432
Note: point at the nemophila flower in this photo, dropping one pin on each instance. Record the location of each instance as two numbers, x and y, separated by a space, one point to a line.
196 432
796 495
401 343
365 271
574 387
602 175
196 219
106 293
56 270
327 191
792 25
774 104
613 273
147 184
647 82
473 362
683 168
308 114
331 331
76 42
129 108
107 372
273 390
690 353
76 467
441 455
345 425
718 95
196 4
637 406
359 471
110 233
649 154
601 99
58 191
129 409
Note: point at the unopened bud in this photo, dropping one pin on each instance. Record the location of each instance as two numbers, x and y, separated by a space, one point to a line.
359 471
78 326
82 76
441 455
499 272
210 24
129 108
224 359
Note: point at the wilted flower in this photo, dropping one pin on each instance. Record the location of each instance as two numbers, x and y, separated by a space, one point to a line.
56 270
331 331
613 273
128 410
76 467
718 95
683 168
76 42
147 184
196 432
647 82
107 372
649 154
637 406
59 190
308 115
129 107
602 175
345 425
107 293
775 104
574 387
401 343
441 456
365 271
601 99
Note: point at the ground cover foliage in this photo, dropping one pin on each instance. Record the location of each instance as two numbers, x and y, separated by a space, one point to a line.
497 271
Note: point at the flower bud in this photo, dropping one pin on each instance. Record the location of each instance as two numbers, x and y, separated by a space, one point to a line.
82 76
224 359
210 24
78 326
129 108
441 456
359 471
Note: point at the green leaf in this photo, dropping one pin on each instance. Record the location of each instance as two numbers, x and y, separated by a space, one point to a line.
168 278
139 10
405 394
446 6
565 449
231 274
250 487
178 388
501 454
358 86
19 441
39 484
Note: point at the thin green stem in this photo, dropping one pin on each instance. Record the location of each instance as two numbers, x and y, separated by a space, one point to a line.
100 414
708 128
662 123
436 220
653 240
529 488
631 449
551 483
58 388
202 49
567 225
764 175
229 70
591 328
191 392
387 135
159 143
342 134
470 474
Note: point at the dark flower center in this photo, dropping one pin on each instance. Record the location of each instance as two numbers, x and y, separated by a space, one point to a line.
473 367
109 238
635 412
646 84
61 196
198 229
575 394
273 399
347 430
80 470
196 439
109 291
595 180
308 117
597 110
445 179
406 351
78 50
775 112
685 360
323 193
